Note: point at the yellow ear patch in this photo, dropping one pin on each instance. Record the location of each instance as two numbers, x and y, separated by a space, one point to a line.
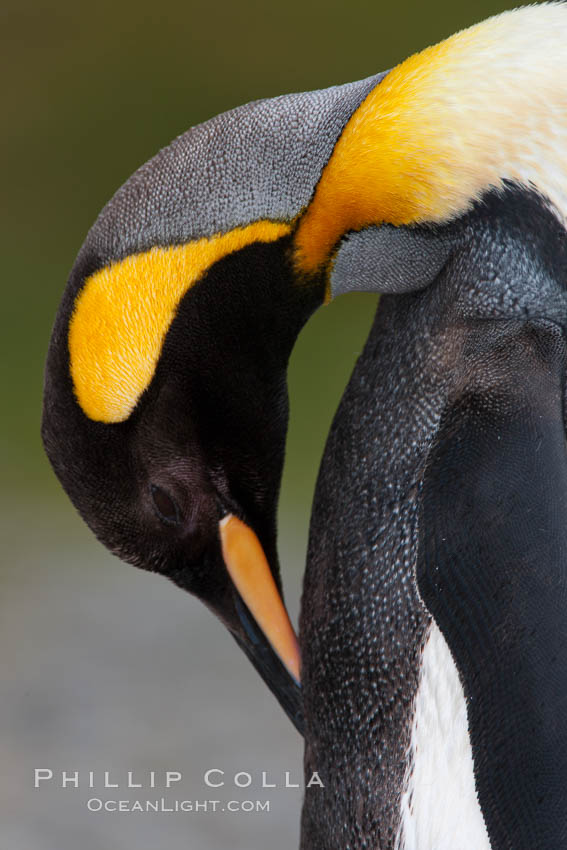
123 312
486 105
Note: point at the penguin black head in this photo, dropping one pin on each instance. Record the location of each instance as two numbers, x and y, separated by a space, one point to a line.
165 407
204 441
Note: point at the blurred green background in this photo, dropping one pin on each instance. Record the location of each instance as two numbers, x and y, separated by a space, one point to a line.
90 92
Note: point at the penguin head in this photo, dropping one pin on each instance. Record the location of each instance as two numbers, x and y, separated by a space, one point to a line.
204 440
165 410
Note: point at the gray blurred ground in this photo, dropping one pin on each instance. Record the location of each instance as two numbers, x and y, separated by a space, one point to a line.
108 668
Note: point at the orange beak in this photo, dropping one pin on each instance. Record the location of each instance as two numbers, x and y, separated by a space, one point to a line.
251 574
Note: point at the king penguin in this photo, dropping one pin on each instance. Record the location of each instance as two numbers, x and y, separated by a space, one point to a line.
433 629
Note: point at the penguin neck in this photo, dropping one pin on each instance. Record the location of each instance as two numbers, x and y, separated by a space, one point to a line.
363 625
253 301
369 645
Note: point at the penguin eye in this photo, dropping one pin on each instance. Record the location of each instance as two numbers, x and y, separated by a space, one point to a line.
165 507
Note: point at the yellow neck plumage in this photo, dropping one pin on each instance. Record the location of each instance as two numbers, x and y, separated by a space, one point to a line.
488 104
124 311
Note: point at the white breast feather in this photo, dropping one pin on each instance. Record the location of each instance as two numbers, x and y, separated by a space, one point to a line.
440 809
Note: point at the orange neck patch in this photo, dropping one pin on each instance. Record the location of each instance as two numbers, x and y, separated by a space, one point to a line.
486 105
123 312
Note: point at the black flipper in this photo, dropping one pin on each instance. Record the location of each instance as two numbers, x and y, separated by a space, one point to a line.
492 571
